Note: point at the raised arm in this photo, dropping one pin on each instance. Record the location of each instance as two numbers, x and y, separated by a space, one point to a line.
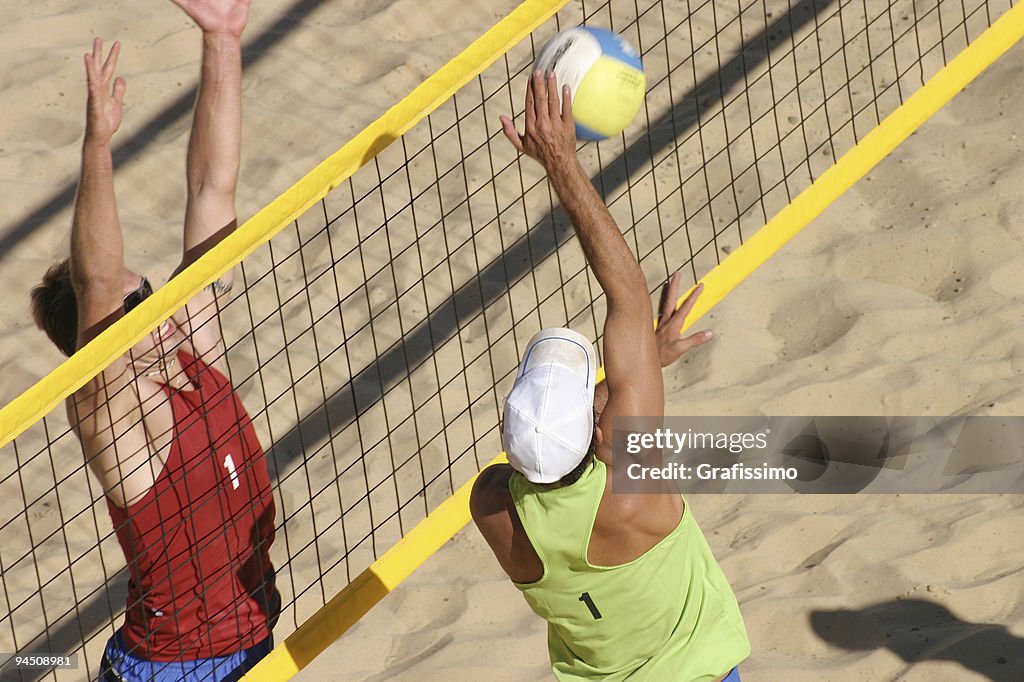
97 251
97 254
214 150
107 410
214 145
632 368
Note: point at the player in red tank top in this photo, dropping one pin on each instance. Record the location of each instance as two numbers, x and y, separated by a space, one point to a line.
161 428
199 591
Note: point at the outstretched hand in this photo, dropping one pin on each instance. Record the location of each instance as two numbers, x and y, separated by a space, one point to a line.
217 16
105 103
670 323
550 134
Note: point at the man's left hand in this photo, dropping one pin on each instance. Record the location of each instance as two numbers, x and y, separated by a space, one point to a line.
550 134
226 17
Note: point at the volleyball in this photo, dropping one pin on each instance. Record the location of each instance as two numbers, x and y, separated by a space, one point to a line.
605 75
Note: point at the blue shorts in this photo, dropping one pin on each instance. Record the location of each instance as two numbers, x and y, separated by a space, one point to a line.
733 676
119 665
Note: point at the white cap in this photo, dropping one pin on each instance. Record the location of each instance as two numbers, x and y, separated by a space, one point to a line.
549 415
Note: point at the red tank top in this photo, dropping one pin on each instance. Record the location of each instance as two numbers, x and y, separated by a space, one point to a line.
197 544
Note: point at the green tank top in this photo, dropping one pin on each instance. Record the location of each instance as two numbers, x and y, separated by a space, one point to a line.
667 615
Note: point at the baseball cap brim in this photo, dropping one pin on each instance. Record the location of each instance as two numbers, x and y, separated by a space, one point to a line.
564 347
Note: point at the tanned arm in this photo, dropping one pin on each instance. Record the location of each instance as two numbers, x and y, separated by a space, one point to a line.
634 354
214 152
97 249
106 411
632 367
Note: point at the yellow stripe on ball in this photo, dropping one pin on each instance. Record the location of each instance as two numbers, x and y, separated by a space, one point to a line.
609 96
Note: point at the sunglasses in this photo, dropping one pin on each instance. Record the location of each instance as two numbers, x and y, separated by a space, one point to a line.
133 298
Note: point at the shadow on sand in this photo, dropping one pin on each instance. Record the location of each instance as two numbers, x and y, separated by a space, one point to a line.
919 630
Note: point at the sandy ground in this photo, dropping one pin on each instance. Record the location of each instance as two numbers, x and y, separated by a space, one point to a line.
902 299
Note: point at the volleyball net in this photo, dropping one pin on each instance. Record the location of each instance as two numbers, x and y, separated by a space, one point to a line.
382 303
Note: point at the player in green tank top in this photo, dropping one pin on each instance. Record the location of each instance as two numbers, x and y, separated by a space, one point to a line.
626 582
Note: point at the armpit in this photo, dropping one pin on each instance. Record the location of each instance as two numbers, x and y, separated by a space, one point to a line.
220 287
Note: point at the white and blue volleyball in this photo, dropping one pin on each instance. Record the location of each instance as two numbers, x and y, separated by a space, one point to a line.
605 75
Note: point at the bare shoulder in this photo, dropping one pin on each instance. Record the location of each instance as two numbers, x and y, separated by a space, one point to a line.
490 497
113 420
104 401
492 485
495 516
200 322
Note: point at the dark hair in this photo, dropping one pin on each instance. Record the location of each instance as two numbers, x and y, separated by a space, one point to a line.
581 468
55 309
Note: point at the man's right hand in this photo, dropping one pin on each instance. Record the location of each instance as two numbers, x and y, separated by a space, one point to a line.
105 103
550 134
670 323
